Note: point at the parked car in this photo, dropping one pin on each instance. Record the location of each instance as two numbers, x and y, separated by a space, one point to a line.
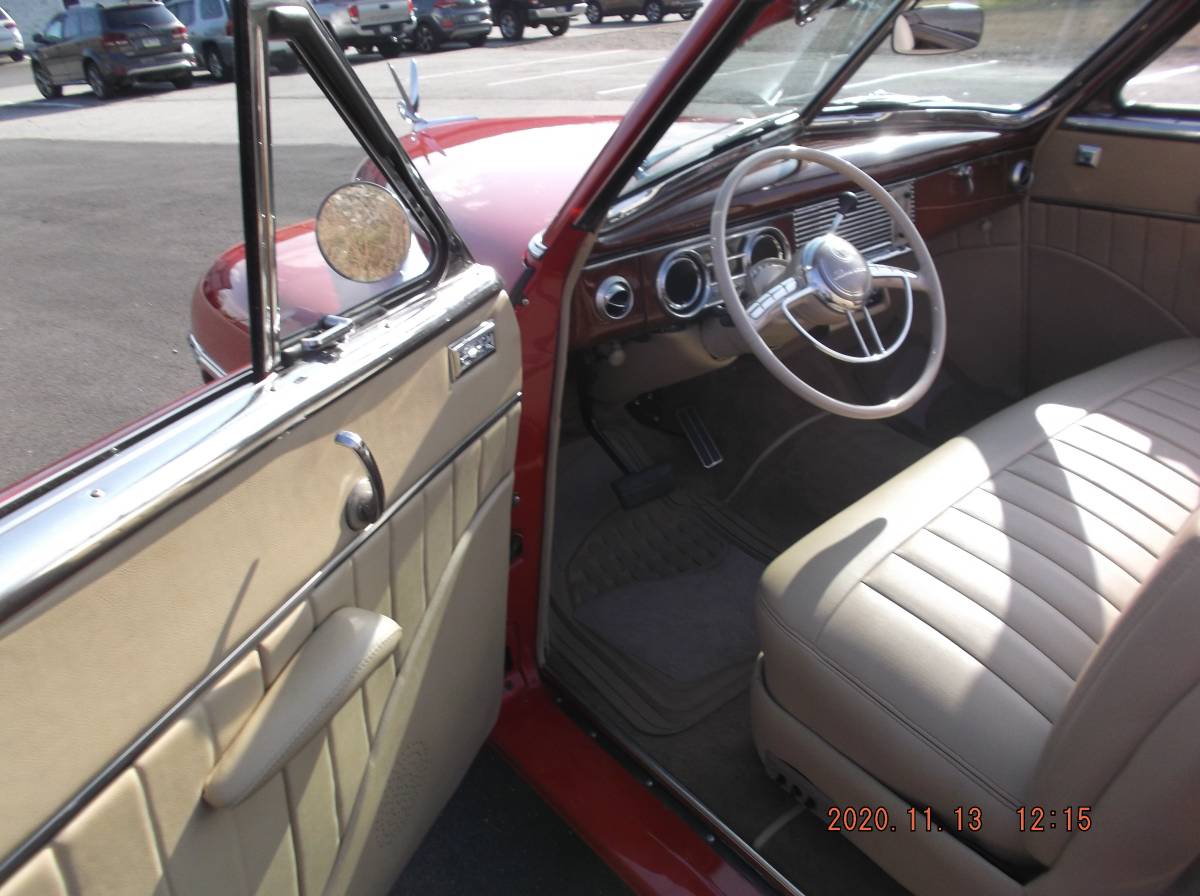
110 47
514 16
439 21
366 25
11 41
211 34
795 479
653 10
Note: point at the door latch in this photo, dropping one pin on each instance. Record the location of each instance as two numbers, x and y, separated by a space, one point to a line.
336 329
366 502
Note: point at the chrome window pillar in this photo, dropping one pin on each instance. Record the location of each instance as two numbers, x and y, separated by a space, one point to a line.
258 214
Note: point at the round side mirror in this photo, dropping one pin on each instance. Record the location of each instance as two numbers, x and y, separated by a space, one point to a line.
363 232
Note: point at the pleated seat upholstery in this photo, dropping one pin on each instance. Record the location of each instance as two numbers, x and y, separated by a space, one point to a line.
948 640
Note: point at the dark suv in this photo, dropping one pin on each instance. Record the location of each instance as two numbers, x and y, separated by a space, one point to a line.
654 10
439 21
109 47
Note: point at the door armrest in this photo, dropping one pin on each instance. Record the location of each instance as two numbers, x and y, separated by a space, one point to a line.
329 667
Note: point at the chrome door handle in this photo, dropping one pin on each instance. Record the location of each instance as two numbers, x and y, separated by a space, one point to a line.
366 502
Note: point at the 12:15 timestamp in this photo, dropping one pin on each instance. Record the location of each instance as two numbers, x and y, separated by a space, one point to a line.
1069 818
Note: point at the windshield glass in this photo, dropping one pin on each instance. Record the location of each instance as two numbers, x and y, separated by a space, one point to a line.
1027 48
774 72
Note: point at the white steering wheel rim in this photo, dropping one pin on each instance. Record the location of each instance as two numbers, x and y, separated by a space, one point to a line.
931 286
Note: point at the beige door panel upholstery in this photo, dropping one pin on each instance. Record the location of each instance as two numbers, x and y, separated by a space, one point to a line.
1103 284
109 651
333 663
970 633
1114 250
979 264
1134 173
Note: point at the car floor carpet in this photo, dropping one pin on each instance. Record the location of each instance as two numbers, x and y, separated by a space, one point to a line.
821 468
652 604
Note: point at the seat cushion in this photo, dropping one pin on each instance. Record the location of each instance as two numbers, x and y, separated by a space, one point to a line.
933 631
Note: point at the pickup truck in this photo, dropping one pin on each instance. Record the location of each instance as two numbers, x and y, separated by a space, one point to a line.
366 25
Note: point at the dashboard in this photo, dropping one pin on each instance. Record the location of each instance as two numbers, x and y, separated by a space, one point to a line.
651 276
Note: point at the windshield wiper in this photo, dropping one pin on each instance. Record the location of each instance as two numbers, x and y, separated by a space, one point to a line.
727 138
756 128
886 102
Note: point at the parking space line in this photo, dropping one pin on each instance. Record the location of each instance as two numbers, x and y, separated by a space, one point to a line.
40 103
577 71
913 74
619 89
492 68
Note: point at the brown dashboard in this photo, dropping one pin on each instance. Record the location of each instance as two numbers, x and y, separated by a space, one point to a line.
653 271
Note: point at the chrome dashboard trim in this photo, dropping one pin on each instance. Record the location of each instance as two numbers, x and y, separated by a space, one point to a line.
604 295
55 535
700 295
123 760
769 232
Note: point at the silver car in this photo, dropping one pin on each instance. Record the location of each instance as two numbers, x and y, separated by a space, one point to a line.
210 30
366 25
11 41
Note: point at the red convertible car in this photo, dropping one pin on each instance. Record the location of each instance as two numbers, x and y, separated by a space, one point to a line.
796 480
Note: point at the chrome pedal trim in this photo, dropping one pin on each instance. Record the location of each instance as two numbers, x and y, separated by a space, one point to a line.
699 437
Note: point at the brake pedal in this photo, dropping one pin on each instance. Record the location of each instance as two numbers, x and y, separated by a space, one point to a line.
635 489
699 437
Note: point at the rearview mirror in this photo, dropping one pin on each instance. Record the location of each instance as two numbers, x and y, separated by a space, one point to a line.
363 232
937 28
38 37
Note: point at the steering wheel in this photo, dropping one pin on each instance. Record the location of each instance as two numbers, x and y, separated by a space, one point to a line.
826 283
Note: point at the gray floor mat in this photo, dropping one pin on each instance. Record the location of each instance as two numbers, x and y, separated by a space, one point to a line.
688 627
817 473
655 606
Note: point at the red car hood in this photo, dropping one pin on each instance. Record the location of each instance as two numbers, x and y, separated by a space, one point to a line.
502 180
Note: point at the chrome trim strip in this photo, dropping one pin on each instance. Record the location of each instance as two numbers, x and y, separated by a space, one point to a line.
260 124
681 793
203 359
1163 128
126 757
57 534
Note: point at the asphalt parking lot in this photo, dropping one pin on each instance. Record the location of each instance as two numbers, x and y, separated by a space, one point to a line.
114 210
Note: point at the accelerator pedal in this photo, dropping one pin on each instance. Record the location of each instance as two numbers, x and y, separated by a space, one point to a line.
699 437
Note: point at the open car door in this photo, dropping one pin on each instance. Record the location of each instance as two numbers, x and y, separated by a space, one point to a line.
255 649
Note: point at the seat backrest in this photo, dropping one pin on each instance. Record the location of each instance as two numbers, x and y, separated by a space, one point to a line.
1127 745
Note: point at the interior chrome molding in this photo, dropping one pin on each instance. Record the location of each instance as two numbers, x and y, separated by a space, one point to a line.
680 792
57 534
1136 126
126 757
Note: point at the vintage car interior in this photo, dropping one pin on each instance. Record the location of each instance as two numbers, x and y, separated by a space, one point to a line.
869 465
877 486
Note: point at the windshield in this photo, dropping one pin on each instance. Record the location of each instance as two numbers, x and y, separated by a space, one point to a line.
1027 48
772 74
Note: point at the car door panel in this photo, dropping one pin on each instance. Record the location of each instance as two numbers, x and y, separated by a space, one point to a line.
141 667
1114 247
